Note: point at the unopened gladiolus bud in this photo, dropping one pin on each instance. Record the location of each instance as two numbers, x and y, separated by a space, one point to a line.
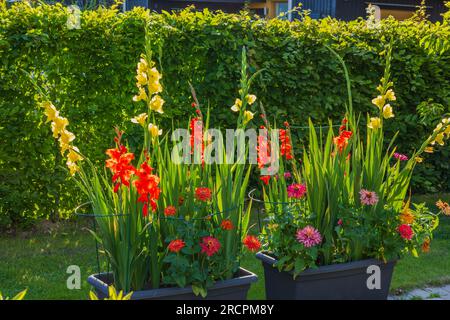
429 150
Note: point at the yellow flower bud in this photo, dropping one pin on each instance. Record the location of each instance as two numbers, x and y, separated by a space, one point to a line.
419 159
156 104
374 123
429 150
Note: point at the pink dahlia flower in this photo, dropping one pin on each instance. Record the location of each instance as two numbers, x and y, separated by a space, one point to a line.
309 236
369 198
296 190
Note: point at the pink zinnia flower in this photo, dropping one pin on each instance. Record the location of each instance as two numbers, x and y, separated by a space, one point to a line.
296 190
287 175
369 198
400 156
309 236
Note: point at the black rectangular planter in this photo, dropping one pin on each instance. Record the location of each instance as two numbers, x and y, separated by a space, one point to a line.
345 281
232 289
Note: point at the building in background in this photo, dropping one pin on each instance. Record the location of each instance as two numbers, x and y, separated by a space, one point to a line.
340 9
353 9
264 8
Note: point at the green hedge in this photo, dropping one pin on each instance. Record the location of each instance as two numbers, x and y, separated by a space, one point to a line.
90 74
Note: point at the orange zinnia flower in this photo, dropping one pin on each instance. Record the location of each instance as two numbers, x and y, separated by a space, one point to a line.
176 245
227 225
252 243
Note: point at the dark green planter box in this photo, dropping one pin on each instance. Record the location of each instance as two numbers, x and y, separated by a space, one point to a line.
345 281
232 289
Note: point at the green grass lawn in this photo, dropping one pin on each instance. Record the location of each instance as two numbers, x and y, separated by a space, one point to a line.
38 261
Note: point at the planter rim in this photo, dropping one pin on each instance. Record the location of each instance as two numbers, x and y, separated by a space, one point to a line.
328 268
246 277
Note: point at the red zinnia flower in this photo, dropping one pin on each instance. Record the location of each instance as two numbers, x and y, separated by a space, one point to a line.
252 243
265 179
226 224
170 211
210 245
203 194
405 231
147 187
176 245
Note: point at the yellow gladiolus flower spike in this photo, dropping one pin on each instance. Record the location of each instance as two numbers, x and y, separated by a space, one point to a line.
156 104
374 123
387 111
140 119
